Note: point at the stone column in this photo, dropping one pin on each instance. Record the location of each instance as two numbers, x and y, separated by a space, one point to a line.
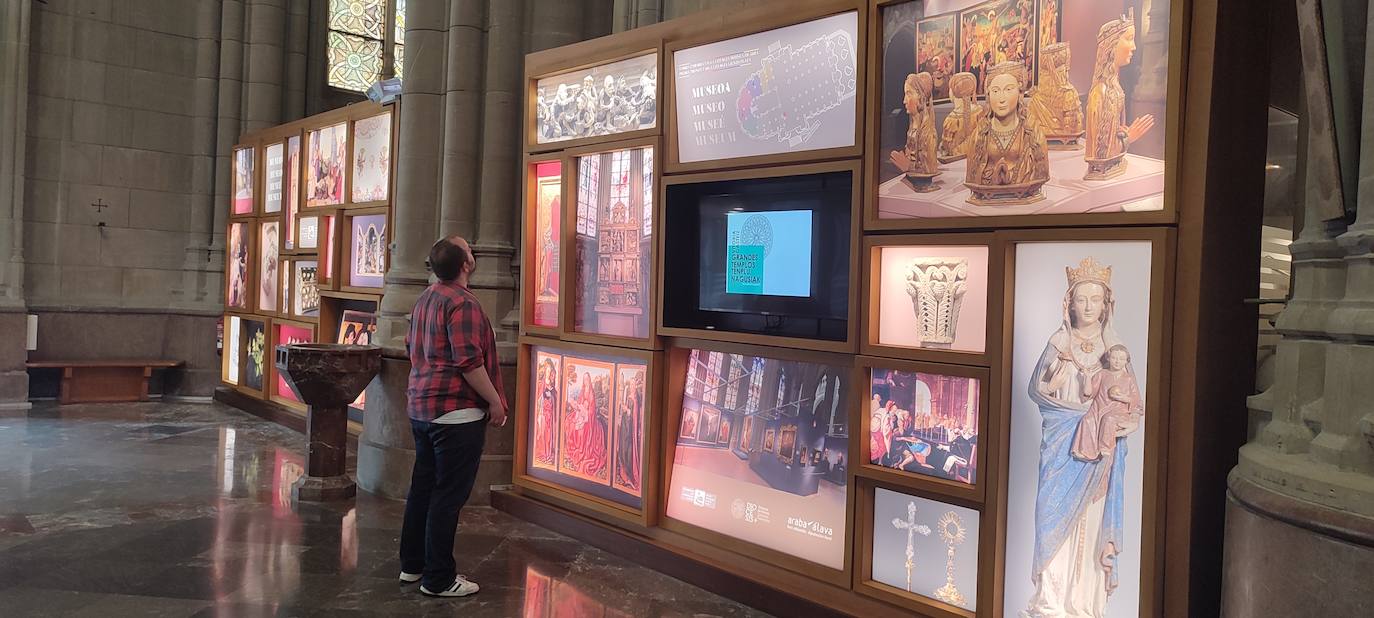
263 64
15 22
1300 513
297 56
203 274
386 450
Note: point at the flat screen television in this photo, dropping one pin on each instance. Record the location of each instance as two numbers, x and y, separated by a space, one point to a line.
765 256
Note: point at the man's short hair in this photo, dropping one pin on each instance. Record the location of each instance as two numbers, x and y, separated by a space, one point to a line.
446 259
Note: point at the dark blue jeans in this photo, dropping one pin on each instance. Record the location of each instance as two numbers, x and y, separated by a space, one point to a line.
446 459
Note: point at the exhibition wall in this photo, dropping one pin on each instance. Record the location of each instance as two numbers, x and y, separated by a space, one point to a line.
307 242
994 188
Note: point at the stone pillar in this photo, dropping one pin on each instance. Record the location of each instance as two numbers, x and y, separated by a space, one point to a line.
15 22
297 56
1300 512
386 450
263 64
203 273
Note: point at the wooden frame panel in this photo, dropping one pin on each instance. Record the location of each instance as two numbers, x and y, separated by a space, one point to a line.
1157 411
267 357
224 351
648 513
271 387
529 244
988 423
392 140
1179 34
253 143
330 314
251 277
259 247
676 357
747 20
849 345
568 248
343 222
588 55
868 340
290 294
925 605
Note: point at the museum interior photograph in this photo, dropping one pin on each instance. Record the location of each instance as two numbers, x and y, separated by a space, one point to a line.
687 308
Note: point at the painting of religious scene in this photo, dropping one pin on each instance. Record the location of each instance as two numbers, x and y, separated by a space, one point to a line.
371 158
237 249
243 180
268 246
628 440
325 165
256 354
746 491
926 547
924 423
1048 20
614 227
936 51
1078 107
1080 344
357 327
587 418
368 251
548 196
603 100
995 32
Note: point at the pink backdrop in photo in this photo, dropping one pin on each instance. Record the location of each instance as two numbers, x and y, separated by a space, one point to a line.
897 319
287 335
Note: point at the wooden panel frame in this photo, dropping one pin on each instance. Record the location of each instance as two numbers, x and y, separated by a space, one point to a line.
868 340
988 424
251 280
530 246
330 312
256 266
754 19
588 55
289 313
674 380
257 147
567 301
393 140
267 357
648 514
850 344
328 251
224 351
343 222
1176 101
922 604
271 387
1154 498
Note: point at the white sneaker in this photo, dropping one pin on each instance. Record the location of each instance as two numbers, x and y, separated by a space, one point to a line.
409 578
460 588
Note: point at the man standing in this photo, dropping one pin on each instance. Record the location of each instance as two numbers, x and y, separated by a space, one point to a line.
454 391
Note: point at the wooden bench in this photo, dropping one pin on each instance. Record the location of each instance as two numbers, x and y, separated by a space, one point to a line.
90 381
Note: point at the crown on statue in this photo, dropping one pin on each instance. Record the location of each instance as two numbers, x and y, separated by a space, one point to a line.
1115 27
1010 67
1089 270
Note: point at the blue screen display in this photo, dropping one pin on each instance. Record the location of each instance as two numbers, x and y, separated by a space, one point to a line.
768 253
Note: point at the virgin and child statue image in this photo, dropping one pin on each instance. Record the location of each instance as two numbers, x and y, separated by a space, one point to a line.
1089 402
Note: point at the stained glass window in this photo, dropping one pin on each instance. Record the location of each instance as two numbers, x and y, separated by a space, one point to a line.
755 386
398 60
359 32
732 385
713 377
354 62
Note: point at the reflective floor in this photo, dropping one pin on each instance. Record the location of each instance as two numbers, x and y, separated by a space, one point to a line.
184 510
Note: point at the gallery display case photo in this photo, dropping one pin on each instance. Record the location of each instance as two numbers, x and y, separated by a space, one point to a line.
307 242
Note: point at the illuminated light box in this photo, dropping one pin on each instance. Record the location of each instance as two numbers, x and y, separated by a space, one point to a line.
604 100
371 159
924 423
761 455
290 334
238 247
925 547
546 241
614 243
932 297
587 421
268 266
780 91
243 180
326 164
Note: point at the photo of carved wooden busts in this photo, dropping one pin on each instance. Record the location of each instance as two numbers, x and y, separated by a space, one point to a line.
1108 135
1055 108
1008 159
918 159
962 120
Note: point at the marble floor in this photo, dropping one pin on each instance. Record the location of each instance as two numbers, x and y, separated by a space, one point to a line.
183 510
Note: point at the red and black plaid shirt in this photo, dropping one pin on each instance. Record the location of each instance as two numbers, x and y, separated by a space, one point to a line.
449 335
